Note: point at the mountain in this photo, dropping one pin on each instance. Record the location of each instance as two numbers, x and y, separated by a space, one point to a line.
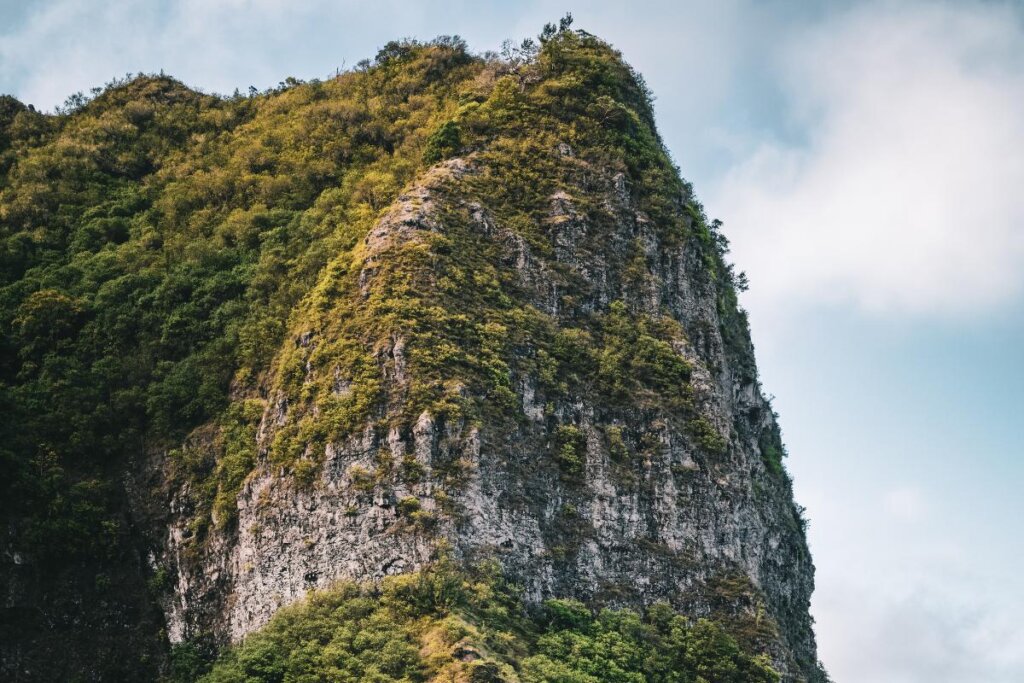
442 350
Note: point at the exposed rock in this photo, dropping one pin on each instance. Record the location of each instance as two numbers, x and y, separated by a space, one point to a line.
674 523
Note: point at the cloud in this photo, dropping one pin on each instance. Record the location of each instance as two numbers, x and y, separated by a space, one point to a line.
898 189
920 636
63 46
906 504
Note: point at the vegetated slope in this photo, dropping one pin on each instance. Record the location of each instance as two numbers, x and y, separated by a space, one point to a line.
441 625
441 305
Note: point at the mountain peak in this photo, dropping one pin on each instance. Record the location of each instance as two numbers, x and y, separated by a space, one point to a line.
443 309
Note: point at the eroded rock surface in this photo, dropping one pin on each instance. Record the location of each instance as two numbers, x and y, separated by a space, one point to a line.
654 513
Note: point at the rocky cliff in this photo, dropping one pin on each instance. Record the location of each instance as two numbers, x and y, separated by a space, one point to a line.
490 324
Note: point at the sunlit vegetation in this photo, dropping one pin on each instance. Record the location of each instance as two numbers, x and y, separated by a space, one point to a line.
441 625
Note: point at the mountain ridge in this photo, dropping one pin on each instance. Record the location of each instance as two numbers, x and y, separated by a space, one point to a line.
439 304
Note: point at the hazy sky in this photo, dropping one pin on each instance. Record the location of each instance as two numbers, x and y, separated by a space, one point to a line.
868 162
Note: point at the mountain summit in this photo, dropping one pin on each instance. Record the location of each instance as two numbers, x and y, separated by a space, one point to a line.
441 350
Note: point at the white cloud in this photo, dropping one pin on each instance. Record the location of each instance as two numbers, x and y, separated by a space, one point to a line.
63 46
919 636
909 590
906 504
902 193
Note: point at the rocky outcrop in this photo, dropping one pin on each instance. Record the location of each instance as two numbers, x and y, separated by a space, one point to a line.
654 510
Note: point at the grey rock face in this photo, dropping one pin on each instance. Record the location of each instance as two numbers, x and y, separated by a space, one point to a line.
713 533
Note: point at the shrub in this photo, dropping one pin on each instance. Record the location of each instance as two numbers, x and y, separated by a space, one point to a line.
570 449
408 505
443 143
706 436
422 627
616 444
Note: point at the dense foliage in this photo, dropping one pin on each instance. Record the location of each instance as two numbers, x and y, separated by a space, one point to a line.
444 626
153 243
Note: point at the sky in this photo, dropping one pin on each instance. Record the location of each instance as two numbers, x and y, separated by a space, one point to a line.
867 159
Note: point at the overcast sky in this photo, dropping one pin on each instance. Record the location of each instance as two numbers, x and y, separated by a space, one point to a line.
868 162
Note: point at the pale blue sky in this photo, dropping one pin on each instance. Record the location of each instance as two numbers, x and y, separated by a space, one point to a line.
867 159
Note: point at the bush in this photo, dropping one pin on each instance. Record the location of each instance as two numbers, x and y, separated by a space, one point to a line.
443 143
421 627
570 449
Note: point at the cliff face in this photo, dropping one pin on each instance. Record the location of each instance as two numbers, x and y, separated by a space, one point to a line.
513 336
649 509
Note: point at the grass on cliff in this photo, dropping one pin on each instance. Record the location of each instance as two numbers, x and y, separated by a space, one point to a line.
442 625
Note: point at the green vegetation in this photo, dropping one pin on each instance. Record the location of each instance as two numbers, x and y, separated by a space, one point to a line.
180 272
442 143
570 449
442 625
448 302
154 243
772 449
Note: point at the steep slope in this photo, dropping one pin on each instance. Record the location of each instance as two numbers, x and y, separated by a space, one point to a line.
440 307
